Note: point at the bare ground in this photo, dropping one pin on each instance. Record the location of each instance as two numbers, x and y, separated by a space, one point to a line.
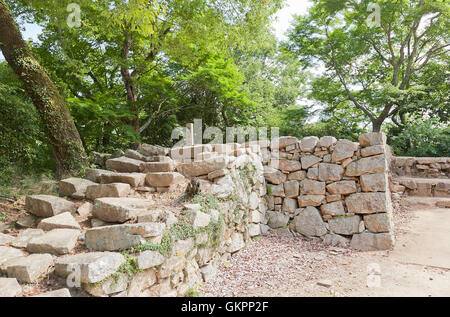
276 265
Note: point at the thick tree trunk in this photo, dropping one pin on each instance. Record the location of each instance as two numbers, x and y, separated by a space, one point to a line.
67 147
376 125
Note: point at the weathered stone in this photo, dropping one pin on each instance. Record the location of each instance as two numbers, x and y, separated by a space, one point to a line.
276 190
183 247
108 190
133 179
368 203
70 186
327 141
122 237
198 219
56 241
209 272
336 240
8 253
273 175
136 155
333 198
345 225
27 221
282 142
286 165
343 149
100 223
307 144
64 220
342 187
367 241
9 287
236 242
93 266
63 292
5 239
94 174
374 182
378 222
154 167
311 187
277 219
204 167
217 174
189 152
21 241
299 175
85 210
119 209
289 205
373 150
254 230
291 189
152 150
124 165
373 138
309 223
311 200
48 206
142 281
28 269
330 172
309 160
313 173
371 164
163 179
333 209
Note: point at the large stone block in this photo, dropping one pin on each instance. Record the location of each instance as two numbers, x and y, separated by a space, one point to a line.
277 219
308 144
236 242
311 200
345 225
152 167
368 165
108 190
152 150
276 190
378 222
48 206
327 141
286 165
312 187
9 287
124 165
374 182
343 149
342 188
309 223
373 150
289 205
368 203
333 208
282 142
62 221
122 237
367 241
24 236
119 209
204 167
291 188
56 241
70 186
28 269
8 253
330 172
133 179
273 175
93 266
309 160
163 179
373 138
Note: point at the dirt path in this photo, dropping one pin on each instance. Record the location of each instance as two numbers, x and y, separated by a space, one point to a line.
291 266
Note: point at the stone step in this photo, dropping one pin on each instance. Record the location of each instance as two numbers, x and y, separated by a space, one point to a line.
163 179
119 210
74 187
122 237
48 206
61 221
425 187
108 190
9 287
107 177
124 164
56 241
420 203
28 269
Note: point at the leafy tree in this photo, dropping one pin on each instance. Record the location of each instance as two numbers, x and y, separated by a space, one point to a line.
60 129
382 71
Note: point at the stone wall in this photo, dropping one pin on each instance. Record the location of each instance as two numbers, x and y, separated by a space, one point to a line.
336 190
423 167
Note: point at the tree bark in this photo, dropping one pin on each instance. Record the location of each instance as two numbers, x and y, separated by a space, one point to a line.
58 124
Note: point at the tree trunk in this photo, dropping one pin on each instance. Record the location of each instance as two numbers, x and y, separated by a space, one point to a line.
67 147
376 124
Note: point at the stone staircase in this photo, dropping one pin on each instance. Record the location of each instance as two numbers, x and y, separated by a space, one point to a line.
169 248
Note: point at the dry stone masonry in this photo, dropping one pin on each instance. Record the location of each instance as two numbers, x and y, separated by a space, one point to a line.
323 188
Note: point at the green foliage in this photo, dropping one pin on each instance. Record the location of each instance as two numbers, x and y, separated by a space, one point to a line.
422 138
165 247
